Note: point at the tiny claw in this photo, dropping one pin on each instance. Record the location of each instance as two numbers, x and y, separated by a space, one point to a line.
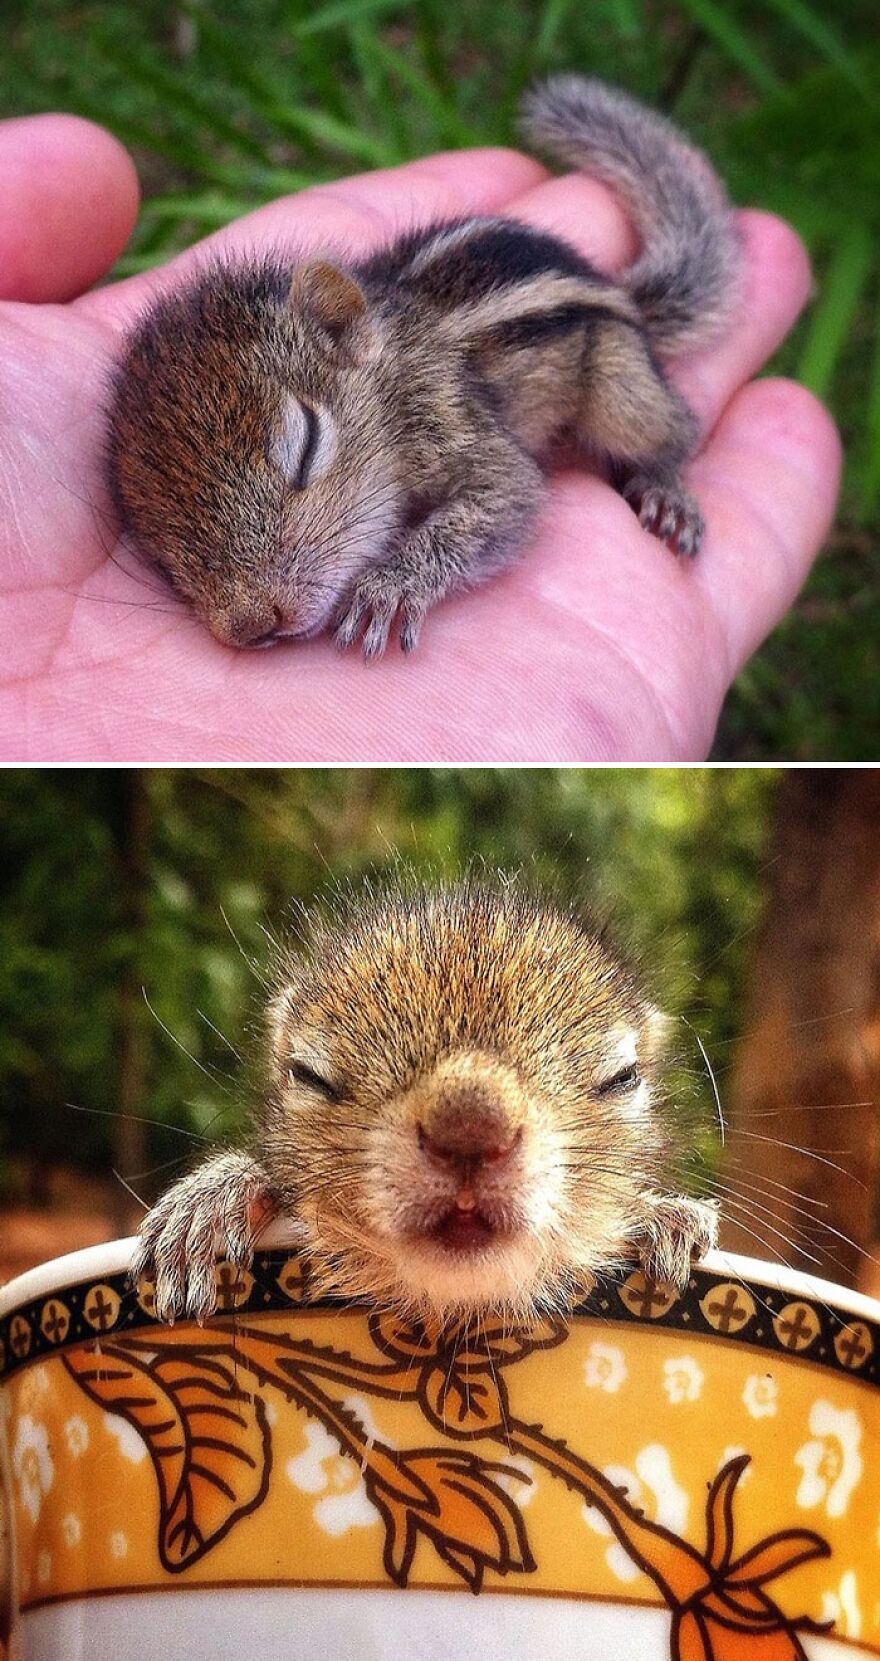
346 631
668 520
411 629
692 537
669 513
376 637
351 620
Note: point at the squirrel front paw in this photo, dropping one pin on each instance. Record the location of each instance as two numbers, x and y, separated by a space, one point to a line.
217 1210
386 592
676 1231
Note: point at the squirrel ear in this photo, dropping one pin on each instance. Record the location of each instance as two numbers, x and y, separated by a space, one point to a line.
329 297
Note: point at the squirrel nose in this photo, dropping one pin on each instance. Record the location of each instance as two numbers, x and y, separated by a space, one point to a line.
253 628
256 634
466 1132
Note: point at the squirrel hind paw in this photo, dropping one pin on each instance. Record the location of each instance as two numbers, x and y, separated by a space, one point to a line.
669 512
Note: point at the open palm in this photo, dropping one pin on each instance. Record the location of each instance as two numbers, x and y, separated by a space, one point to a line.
599 645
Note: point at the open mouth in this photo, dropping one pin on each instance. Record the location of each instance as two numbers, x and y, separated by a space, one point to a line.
463 1231
277 637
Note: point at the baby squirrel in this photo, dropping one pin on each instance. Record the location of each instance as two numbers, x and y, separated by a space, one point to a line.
318 443
464 1113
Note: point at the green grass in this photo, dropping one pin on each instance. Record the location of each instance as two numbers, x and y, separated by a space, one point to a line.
226 106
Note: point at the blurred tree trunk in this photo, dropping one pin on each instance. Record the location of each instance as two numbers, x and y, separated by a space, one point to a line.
808 1070
130 815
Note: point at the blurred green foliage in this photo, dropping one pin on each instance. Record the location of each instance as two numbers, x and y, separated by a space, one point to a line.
170 881
228 106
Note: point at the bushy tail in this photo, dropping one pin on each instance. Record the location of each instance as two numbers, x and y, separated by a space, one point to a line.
686 278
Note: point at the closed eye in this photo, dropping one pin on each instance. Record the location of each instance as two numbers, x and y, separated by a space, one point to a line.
306 1076
313 434
618 1083
295 445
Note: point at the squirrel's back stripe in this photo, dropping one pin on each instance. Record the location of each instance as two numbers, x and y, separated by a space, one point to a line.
457 263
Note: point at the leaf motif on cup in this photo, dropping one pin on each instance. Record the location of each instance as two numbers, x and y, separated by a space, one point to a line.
207 1438
462 1403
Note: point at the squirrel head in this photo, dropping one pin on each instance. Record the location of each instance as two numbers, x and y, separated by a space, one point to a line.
246 453
464 1109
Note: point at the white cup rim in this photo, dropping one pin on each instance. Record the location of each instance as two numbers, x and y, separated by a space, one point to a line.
113 1258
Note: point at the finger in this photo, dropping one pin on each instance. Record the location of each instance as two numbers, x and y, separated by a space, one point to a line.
352 216
583 213
769 480
68 204
442 186
363 212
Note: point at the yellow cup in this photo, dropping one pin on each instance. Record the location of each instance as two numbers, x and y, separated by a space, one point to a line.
664 1476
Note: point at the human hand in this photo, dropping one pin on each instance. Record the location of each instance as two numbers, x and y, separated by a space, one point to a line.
598 646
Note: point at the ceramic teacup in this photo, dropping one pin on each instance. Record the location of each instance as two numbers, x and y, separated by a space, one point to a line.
663 1476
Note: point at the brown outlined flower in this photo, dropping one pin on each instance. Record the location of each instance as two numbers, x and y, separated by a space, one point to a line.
734 1617
470 1520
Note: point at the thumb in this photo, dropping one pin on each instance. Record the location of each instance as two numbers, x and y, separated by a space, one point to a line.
68 203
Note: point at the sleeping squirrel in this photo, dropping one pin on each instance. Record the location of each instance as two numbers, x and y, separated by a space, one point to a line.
463 1112
316 444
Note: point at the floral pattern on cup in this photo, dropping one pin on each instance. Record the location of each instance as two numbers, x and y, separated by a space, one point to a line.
831 1461
379 1447
32 1464
605 1367
760 1395
682 1379
323 1469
